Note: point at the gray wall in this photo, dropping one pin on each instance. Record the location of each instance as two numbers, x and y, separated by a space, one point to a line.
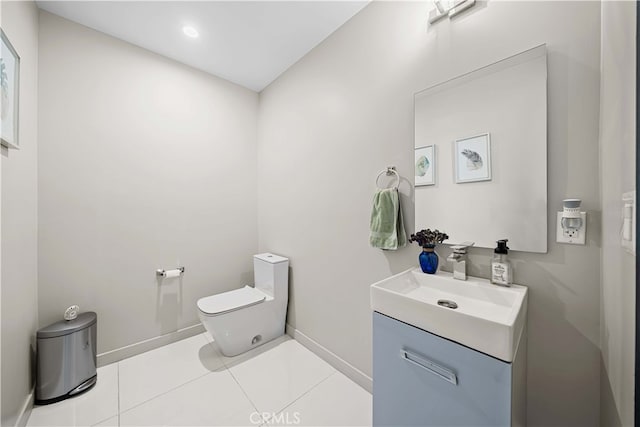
345 111
618 171
144 164
19 219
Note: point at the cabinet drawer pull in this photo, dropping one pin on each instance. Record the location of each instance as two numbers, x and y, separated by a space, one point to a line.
430 366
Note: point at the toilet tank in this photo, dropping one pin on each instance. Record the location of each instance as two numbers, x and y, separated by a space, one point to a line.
271 274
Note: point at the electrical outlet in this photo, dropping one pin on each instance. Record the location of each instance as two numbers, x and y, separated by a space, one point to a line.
573 237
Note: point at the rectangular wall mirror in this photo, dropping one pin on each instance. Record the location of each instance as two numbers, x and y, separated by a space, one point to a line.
487 161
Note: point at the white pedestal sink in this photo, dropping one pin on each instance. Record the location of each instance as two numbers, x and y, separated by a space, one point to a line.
488 318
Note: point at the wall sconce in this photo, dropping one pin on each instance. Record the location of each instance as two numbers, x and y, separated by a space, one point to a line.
448 8
572 224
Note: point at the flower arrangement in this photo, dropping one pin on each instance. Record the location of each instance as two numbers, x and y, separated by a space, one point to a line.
427 238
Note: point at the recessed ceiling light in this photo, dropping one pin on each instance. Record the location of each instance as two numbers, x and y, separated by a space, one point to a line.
189 31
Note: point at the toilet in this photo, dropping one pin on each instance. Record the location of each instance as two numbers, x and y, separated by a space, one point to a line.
244 318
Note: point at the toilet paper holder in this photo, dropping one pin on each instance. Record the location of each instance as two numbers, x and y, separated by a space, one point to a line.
172 273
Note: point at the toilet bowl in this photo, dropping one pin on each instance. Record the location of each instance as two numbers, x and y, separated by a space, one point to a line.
244 318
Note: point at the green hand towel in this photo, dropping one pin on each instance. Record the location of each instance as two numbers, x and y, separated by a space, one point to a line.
387 227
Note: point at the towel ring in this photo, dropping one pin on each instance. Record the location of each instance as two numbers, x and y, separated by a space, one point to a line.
391 170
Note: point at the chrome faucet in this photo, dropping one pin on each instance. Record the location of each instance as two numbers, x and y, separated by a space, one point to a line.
459 259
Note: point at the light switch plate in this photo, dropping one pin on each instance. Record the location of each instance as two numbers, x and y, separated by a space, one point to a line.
577 238
628 232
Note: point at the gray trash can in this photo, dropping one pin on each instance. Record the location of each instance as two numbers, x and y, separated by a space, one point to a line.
66 358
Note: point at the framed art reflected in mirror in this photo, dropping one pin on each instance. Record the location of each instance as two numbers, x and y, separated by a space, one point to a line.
425 164
9 93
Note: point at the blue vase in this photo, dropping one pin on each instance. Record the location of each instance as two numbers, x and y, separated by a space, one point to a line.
428 260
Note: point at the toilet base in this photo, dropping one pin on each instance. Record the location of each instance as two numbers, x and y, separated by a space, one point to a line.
232 350
239 331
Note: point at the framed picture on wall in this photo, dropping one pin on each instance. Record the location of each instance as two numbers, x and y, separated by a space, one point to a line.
9 93
425 164
472 157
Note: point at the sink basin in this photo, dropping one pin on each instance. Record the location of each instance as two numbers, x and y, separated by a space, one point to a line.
488 318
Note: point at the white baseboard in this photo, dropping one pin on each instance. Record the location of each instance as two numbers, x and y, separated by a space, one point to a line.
25 412
146 345
355 374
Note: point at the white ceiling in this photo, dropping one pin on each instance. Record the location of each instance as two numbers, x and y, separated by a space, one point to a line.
247 42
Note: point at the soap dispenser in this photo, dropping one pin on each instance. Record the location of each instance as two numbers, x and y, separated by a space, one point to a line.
501 269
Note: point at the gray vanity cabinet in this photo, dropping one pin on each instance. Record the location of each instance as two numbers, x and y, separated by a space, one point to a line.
421 379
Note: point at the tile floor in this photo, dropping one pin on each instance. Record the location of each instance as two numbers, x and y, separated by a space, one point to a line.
188 383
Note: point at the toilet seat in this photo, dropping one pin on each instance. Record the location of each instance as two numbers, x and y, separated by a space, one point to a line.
230 301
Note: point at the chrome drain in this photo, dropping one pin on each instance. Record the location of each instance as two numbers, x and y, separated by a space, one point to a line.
256 339
448 304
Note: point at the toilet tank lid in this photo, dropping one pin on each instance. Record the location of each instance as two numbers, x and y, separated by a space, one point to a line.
271 258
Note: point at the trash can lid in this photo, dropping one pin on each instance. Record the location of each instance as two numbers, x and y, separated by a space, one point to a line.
66 327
